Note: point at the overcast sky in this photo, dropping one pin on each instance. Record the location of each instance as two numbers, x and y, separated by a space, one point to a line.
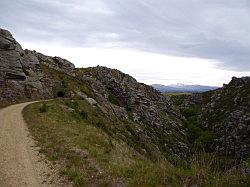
156 41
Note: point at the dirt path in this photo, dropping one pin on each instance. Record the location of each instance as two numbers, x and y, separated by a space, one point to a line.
20 164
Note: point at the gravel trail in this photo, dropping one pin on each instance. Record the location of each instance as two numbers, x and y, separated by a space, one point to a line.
20 163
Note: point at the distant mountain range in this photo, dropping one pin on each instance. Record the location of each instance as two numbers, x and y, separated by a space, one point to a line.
183 88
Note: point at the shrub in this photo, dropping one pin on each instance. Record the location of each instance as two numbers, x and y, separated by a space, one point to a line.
192 111
72 104
194 132
44 108
204 141
83 114
130 115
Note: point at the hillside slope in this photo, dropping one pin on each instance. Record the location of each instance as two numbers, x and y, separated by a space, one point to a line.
219 120
93 149
153 119
226 112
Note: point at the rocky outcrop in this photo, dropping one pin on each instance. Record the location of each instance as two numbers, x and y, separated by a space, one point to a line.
22 75
10 56
123 96
57 63
227 113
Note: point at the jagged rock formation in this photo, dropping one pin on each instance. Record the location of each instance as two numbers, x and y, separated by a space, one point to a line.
160 121
11 53
226 112
21 71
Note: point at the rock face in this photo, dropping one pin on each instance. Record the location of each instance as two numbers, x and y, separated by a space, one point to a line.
57 63
22 75
10 55
227 113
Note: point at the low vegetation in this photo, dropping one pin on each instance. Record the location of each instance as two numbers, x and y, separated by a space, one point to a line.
68 83
90 151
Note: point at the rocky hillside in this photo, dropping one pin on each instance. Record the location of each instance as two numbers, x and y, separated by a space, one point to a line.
226 112
159 121
152 119
219 120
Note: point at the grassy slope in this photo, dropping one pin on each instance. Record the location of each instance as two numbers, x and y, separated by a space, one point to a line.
81 142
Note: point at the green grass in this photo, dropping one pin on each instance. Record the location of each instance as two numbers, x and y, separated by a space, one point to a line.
99 158
225 104
178 98
90 150
176 93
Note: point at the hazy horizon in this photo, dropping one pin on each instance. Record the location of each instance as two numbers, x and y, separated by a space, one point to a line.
157 42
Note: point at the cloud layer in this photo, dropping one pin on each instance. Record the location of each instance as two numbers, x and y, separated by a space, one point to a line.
210 29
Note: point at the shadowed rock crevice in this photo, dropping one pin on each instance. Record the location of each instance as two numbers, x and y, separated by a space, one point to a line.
12 76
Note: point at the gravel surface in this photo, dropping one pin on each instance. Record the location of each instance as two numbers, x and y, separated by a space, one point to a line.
20 163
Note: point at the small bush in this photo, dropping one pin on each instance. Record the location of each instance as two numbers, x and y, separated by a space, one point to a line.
204 141
194 132
83 114
44 108
72 104
99 124
130 115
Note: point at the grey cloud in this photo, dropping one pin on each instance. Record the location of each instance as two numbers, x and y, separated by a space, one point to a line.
213 29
